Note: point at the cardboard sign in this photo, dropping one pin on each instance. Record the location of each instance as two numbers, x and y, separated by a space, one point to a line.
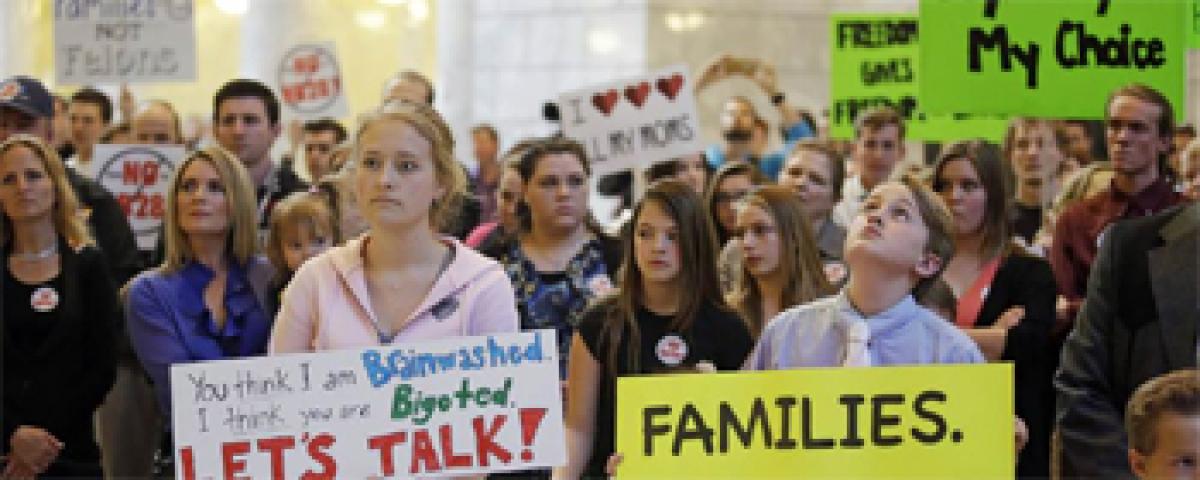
875 63
634 122
115 41
310 82
438 407
1048 58
941 421
138 176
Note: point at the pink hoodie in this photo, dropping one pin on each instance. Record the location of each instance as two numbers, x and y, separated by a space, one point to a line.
326 306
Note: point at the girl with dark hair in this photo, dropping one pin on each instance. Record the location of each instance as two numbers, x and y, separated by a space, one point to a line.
1005 296
667 316
558 260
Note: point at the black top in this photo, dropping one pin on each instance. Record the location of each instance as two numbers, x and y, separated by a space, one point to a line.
55 374
716 336
31 312
1026 222
1028 282
109 225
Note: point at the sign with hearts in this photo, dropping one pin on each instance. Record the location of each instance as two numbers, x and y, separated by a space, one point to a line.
635 121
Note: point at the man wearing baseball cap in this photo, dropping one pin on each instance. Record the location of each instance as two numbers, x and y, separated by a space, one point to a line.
27 107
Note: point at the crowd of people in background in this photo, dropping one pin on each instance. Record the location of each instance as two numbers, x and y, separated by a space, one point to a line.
1075 263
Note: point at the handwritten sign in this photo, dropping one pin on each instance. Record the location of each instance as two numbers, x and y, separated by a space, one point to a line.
896 422
444 407
310 81
875 63
1049 58
634 122
138 176
114 41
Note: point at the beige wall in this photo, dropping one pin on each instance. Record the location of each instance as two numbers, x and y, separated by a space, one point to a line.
368 56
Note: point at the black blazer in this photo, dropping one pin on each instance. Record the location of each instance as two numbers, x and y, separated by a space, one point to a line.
1138 321
1027 281
62 384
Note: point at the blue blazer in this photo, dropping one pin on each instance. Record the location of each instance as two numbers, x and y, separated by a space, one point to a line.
168 322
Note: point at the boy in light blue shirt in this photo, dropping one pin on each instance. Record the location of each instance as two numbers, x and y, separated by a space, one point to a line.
896 246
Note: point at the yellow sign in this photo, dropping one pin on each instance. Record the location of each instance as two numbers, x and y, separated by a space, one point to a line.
939 421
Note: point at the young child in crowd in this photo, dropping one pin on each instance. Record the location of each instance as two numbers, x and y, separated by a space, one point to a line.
896 246
1162 422
302 226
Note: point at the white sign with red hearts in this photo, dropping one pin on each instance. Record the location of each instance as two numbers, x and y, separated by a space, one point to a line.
634 122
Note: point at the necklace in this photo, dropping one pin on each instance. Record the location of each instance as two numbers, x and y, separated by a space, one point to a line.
34 256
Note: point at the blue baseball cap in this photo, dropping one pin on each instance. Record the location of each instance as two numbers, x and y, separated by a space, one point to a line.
27 95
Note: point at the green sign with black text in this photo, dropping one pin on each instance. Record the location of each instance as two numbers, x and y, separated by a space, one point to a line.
1049 58
874 62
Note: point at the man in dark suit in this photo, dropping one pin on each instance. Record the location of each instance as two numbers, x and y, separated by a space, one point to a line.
1139 320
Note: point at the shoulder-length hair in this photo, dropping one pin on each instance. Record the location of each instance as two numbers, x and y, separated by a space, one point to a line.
241 242
697 279
985 159
299 212
799 258
66 215
430 126
726 170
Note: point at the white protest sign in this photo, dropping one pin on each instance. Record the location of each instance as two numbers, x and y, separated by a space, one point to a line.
138 176
310 81
634 122
114 41
438 407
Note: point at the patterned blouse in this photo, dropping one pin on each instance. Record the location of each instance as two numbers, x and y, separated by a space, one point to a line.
556 299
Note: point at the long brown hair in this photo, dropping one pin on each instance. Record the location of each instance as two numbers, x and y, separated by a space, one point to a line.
728 169
985 159
696 282
799 258
68 221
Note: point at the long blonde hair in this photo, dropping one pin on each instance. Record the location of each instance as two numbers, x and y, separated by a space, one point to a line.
67 216
799 258
242 239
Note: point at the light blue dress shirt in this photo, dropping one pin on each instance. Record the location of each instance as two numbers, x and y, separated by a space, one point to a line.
813 335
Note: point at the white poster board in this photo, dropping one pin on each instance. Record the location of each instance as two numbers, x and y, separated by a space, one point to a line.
439 407
116 41
310 82
634 122
138 176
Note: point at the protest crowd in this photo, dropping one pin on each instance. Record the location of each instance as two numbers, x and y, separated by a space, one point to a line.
1066 248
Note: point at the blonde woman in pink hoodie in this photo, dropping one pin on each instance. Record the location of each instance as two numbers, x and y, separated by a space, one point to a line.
400 281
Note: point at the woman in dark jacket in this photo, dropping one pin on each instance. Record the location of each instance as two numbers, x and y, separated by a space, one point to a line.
60 312
1005 297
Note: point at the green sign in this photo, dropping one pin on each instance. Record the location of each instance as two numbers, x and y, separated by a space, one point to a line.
1049 58
874 62
1196 24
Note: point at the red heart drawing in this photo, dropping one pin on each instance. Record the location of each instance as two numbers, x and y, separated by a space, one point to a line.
636 94
670 86
604 102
